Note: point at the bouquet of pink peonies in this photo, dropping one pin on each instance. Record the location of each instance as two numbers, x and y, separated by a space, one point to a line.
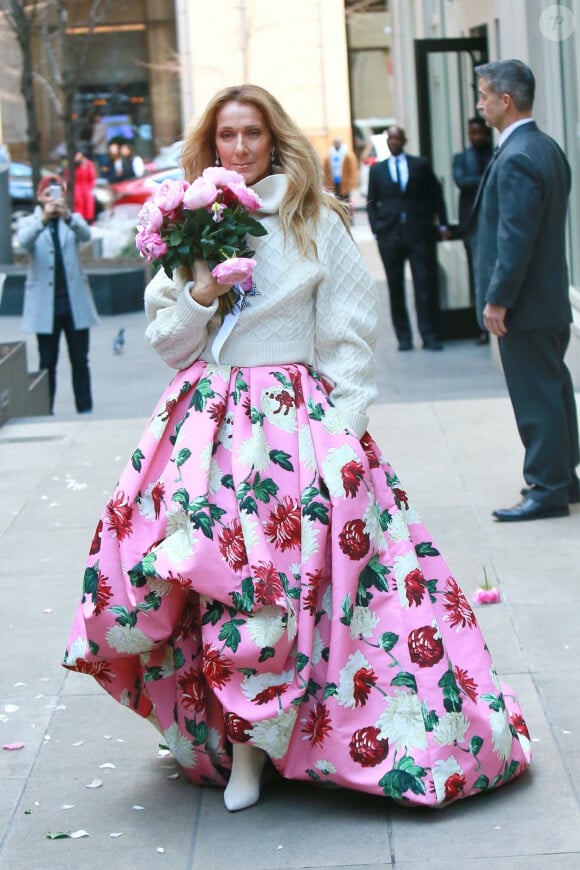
208 219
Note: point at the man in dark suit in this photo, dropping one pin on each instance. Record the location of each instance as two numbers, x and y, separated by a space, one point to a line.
522 287
468 169
407 214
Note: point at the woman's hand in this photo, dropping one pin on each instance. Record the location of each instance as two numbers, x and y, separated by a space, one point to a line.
206 289
53 208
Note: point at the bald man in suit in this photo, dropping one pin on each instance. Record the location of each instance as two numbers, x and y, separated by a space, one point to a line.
407 214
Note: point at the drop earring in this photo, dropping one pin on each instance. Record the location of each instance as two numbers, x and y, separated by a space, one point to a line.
217 160
273 160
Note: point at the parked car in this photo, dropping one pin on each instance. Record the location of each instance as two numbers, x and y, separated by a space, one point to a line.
168 157
20 190
137 191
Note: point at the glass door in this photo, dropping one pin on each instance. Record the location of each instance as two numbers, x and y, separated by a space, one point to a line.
446 97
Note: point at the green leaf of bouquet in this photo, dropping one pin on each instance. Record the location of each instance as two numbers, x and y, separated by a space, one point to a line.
254 227
175 237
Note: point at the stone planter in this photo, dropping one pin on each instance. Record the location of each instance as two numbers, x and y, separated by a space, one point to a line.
116 289
22 394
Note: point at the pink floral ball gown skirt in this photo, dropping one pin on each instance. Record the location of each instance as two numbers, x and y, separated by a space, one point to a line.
260 575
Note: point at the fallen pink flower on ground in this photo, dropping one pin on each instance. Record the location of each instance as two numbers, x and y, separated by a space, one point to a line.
486 596
13 746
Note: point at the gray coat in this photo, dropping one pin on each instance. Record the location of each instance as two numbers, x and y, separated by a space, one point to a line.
519 232
36 238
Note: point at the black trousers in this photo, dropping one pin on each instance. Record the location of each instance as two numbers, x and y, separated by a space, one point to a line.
395 249
78 351
542 396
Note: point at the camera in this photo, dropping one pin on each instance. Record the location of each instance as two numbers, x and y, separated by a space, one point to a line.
55 191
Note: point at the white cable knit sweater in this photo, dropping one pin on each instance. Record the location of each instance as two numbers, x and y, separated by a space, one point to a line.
322 313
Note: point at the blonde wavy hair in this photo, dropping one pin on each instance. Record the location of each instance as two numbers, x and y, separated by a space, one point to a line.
293 153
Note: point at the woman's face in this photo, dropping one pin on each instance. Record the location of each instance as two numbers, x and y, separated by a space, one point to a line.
243 140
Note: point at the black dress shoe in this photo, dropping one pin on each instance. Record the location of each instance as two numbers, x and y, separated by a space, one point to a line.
529 509
432 345
573 492
405 345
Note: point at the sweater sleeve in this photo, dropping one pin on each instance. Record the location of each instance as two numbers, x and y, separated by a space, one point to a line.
346 325
177 324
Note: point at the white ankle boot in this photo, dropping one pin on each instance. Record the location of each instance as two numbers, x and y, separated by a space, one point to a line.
243 788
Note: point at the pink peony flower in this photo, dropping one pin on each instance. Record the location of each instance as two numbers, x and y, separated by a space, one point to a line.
150 218
169 194
245 196
235 270
222 177
486 596
150 245
200 194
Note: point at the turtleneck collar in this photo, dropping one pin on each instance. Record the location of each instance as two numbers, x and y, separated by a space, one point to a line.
271 191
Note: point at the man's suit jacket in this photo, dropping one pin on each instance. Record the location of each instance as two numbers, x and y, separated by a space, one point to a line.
422 201
518 232
467 174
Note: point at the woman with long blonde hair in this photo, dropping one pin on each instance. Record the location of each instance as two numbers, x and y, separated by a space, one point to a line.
259 585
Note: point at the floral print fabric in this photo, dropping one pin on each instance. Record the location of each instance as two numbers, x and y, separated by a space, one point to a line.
260 575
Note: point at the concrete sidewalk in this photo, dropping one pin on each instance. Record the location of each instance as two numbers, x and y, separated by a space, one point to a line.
445 423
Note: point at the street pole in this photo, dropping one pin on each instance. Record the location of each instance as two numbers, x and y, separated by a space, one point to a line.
5 205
